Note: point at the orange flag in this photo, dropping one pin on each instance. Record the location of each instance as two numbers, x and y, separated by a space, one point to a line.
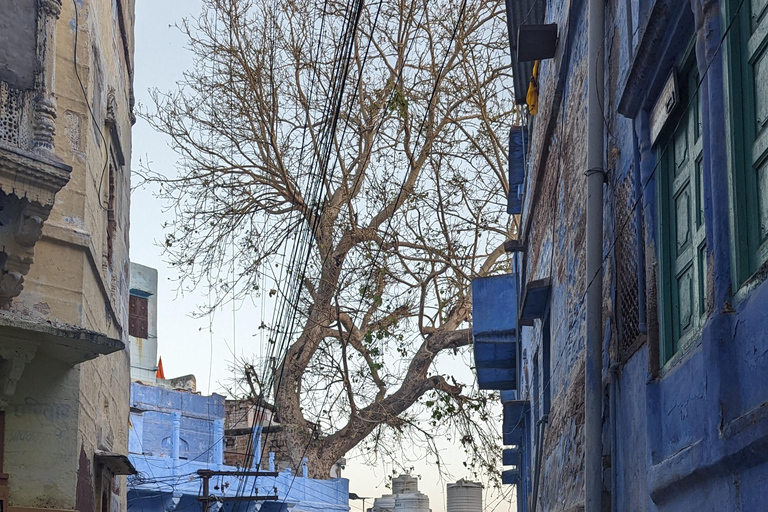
160 374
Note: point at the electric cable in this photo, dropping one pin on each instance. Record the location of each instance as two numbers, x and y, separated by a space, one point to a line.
96 122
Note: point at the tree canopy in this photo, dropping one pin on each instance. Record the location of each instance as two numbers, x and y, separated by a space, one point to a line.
355 154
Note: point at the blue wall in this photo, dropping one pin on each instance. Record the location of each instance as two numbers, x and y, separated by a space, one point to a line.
690 434
166 483
152 412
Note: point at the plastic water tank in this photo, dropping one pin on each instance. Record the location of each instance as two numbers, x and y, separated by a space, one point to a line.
384 504
404 483
465 496
412 502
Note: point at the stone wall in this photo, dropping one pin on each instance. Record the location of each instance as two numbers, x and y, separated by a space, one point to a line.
691 433
61 415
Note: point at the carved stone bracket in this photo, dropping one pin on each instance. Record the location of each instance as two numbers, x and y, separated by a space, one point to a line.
18 239
14 358
28 187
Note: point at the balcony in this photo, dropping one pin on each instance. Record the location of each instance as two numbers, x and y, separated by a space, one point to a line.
31 174
494 331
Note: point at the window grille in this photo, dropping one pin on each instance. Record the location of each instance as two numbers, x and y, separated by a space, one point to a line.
629 336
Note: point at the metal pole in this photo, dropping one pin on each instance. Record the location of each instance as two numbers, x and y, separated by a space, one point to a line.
206 494
594 249
539 453
614 439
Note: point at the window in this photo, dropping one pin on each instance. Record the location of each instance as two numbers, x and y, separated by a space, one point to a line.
546 342
682 258
138 317
748 83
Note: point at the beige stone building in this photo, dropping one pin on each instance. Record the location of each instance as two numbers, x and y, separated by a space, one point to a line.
65 144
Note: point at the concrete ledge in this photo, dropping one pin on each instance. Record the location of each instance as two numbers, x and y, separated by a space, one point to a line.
66 343
706 459
28 175
670 475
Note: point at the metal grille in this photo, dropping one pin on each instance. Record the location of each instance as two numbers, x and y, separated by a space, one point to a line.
626 260
15 116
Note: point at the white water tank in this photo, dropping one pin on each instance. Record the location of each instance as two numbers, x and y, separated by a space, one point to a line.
384 504
465 496
412 502
404 483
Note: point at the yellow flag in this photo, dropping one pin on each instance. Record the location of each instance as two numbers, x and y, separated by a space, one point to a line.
532 98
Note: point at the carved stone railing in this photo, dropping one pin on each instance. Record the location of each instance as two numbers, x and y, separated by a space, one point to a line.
31 174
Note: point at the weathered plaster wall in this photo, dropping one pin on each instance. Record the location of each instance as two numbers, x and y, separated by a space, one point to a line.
144 351
154 408
78 222
17 60
73 280
41 426
694 433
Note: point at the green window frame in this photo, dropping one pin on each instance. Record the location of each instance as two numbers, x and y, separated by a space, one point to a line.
747 77
682 238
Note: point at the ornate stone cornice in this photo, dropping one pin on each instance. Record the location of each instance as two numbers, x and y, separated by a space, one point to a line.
27 175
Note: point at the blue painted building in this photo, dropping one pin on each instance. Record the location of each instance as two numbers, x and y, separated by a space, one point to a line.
174 434
685 260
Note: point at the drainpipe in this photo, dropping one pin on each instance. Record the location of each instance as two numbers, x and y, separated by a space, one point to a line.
539 452
256 443
594 342
614 438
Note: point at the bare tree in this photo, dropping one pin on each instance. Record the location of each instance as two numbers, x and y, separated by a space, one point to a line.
385 165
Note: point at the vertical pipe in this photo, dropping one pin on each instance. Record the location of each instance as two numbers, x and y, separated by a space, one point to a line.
206 493
613 414
594 249
256 443
539 452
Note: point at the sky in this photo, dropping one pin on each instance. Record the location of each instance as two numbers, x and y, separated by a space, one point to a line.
206 347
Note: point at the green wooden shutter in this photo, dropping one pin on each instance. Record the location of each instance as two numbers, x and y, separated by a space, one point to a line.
749 91
683 247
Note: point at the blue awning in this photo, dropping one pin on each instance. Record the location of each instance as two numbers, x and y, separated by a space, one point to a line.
494 308
510 456
496 378
522 12
513 424
508 396
518 145
535 300
510 476
496 365
494 331
495 355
